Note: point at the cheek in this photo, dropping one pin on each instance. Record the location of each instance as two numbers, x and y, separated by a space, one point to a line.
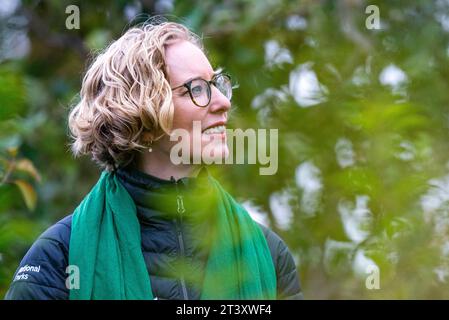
185 113
200 145
184 117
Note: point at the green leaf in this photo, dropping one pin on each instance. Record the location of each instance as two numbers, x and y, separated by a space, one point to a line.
12 95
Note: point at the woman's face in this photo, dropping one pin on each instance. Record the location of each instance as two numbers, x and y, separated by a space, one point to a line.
186 61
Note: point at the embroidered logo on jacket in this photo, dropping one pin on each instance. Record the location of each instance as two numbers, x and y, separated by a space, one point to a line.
21 275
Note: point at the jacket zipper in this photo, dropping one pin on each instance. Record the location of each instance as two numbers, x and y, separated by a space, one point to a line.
181 210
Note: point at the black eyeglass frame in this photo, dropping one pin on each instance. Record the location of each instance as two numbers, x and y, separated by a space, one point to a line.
188 85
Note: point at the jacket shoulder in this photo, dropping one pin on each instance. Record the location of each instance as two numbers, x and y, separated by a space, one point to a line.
60 231
41 274
288 286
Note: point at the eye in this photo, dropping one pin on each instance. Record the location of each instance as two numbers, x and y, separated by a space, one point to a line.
197 90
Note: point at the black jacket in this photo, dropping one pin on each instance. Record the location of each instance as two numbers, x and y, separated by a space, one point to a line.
168 239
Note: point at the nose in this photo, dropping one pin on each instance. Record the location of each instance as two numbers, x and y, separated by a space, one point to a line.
218 101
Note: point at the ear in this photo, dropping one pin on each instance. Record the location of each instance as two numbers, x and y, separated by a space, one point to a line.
147 136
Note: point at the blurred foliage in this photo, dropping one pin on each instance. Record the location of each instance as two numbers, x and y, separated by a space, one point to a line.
363 176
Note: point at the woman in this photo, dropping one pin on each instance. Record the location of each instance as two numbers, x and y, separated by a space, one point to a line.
150 228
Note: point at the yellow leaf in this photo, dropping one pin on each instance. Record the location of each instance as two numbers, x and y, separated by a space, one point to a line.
27 166
28 193
12 151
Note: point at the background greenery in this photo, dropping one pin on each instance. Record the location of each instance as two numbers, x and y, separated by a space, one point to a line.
362 115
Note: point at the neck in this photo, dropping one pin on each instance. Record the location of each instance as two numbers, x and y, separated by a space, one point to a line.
159 165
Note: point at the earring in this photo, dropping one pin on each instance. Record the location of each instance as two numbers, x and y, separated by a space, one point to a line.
149 145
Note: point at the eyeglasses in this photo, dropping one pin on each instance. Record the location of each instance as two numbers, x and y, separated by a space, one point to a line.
200 90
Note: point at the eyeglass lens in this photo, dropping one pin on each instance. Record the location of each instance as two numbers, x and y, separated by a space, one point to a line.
201 91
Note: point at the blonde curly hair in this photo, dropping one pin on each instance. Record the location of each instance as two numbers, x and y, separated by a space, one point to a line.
124 93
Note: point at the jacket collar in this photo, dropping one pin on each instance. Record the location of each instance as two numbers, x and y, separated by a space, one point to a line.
157 199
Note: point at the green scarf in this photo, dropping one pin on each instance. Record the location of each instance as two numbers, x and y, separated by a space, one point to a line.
105 245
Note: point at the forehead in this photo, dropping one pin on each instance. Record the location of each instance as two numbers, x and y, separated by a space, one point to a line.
185 60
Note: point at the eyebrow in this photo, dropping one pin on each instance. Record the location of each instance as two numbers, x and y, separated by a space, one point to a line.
215 72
